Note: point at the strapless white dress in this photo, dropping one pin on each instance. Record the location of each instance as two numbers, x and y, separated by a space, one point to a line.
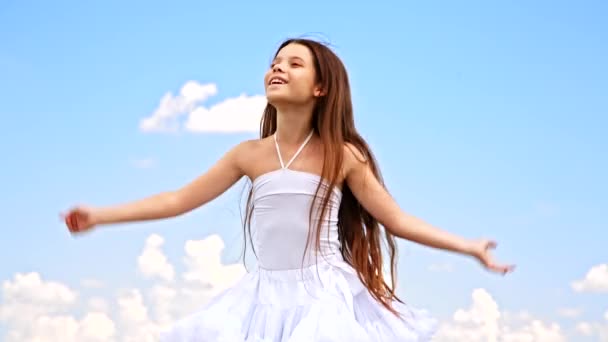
289 298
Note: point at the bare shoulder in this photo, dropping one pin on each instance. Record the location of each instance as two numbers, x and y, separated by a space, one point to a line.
253 155
353 158
245 152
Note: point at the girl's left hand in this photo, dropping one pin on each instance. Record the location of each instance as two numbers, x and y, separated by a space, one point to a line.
480 250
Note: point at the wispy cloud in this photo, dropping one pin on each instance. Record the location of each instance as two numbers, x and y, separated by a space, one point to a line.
35 309
91 283
596 280
152 262
44 310
483 321
185 111
597 329
570 312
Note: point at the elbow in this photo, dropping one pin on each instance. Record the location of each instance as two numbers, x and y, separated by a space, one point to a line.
400 227
390 228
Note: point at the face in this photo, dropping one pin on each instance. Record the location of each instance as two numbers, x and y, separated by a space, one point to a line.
291 77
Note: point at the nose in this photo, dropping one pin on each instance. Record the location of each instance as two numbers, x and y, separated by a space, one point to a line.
277 67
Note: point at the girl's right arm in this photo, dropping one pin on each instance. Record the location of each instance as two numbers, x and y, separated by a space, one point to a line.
225 173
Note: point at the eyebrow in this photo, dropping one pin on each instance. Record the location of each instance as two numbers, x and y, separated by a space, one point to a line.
290 57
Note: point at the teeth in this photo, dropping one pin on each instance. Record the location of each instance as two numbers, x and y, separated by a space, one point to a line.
276 81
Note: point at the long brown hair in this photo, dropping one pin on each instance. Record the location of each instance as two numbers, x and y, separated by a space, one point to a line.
359 232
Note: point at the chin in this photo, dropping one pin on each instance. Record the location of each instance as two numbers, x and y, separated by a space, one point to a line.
278 99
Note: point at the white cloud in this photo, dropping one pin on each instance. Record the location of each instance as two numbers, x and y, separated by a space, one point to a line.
483 321
136 324
203 259
163 299
43 311
91 283
204 276
596 280
97 326
32 287
594 329
570 312
37 310
50 328
519 316
27 295
98 304
483 314
533 331
132 308
153 262
239 114
585 328
165 117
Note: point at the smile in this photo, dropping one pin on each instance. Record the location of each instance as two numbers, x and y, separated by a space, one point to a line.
277 80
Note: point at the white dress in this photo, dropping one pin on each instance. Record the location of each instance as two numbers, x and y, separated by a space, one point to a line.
291 299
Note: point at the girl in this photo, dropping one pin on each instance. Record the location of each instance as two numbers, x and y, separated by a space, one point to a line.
314 217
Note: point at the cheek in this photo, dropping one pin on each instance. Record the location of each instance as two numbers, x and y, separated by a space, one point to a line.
305 83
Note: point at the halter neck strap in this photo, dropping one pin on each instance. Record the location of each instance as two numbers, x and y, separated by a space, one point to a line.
276 144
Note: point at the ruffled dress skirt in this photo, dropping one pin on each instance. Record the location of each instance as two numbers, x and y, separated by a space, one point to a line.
324 303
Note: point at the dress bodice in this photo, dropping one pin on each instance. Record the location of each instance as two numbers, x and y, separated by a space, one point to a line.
281 221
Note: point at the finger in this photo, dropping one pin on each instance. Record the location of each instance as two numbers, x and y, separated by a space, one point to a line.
491 244
74 223
498 268
69 223
502 268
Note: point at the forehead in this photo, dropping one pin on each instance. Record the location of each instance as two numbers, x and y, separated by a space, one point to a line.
294 50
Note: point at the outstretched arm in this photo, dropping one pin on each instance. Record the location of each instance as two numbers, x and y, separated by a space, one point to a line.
378 202
225 173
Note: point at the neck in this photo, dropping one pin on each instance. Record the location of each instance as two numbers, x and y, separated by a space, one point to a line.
293 124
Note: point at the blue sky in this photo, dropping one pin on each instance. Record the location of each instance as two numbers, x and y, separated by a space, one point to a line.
488 119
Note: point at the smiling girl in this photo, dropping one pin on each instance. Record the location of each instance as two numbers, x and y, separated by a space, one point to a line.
317 214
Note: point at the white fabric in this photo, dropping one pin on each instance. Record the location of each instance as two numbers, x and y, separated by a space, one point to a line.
281 216
295 155
292 297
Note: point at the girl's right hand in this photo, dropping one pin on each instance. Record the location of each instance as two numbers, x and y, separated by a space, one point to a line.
80 219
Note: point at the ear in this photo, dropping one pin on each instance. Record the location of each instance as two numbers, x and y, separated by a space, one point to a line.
319 92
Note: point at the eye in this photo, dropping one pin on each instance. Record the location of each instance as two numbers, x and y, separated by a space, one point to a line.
295 65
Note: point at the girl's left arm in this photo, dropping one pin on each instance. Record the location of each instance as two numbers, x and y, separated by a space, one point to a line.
379 203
